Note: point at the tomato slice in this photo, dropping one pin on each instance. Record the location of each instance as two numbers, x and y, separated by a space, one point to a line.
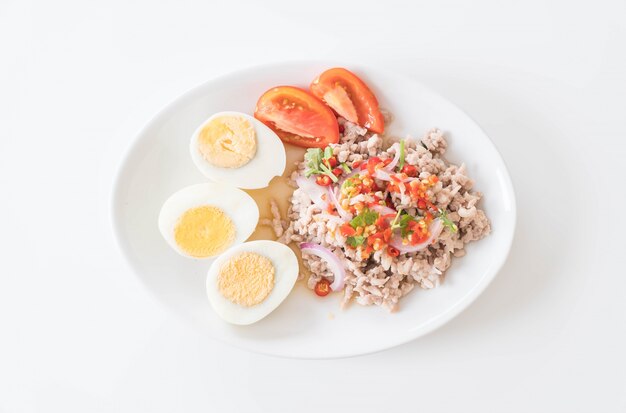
298 117
350 97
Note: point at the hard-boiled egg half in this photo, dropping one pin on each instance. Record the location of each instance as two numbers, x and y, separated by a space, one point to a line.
250 280
204 220
236 149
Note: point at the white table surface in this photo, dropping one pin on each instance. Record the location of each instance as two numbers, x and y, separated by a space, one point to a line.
80 333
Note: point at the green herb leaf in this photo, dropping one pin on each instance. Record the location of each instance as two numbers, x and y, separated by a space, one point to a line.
366 217
355 241
395 220
447 222
401 161
328 152
401 222
315 164
327 171
404 224
348 183
313 158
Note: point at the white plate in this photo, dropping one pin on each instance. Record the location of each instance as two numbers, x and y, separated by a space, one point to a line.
304 326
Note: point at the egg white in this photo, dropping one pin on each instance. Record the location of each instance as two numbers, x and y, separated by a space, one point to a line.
269 161
238 205
286 272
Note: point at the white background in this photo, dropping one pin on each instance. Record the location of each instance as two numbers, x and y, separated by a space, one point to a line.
80 333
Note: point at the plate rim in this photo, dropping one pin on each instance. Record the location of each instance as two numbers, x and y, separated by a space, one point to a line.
411 334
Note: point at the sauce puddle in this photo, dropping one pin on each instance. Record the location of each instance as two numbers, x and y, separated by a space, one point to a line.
278 190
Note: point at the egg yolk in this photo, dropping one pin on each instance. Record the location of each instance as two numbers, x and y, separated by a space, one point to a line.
204 231
246 279
227 141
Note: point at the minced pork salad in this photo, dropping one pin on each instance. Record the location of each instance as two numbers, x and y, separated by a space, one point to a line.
377 220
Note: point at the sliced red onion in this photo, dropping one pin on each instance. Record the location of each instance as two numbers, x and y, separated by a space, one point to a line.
333 198
314 191
394 161
383 210
385 175
332 262
382 174
435 229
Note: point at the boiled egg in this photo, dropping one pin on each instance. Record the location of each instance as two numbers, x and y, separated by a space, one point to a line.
249 281
236 149
202 221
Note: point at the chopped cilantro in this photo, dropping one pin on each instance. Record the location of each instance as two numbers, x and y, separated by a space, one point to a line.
401 222
404 224
348 183
355 241
366 217
447 222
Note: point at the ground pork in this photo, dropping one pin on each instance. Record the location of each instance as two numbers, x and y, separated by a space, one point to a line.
381 279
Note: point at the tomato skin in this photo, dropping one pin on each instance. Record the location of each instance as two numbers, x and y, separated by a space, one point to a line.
350 97
337 172
297 117
322 288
